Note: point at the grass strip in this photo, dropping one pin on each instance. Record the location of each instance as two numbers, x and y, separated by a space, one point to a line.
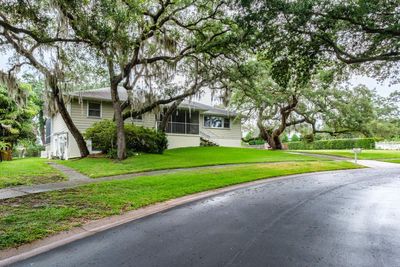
180 158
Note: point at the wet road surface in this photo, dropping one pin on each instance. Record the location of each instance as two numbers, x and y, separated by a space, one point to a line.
344 218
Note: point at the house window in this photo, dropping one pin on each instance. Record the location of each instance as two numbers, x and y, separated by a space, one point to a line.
94 109
216 122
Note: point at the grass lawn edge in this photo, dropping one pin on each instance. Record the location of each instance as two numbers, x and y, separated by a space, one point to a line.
27 172
198 165
180 158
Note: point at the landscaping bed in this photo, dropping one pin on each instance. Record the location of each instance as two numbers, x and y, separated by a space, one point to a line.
28 218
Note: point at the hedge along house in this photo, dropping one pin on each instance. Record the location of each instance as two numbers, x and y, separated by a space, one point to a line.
191 122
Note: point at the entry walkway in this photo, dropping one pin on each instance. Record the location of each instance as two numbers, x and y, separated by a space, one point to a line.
77 179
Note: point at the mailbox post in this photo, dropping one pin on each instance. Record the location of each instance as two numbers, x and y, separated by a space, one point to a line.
356 152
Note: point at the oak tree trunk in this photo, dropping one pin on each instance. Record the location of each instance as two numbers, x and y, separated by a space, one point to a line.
274 142
272 137
119 121
164 122
42 125
70 124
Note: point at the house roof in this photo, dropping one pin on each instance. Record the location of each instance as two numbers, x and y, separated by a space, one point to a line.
101 94
104 94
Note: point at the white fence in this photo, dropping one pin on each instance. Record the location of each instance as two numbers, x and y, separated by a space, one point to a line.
388 145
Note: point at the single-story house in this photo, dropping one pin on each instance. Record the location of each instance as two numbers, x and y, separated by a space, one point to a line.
191 122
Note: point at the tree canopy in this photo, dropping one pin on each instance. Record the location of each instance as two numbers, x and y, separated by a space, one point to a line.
320 104
283 60
355 32
16 115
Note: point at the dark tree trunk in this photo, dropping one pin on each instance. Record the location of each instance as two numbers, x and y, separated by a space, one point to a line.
272 137
274 142
70 124
42 124
164 122
119 121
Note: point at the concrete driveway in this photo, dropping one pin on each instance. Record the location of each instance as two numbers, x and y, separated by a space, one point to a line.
344 218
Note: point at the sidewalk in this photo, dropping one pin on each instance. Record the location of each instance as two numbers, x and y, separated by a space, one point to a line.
366 163
377 164
77 179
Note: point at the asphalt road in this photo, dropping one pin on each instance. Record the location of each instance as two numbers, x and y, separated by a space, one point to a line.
345 218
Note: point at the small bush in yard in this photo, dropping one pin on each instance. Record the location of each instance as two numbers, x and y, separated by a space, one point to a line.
138 139
103 135
366 143
256 142
142 139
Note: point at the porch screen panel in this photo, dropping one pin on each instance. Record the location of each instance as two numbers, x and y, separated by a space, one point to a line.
192 122
183 122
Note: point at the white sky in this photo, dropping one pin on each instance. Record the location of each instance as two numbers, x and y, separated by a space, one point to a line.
383 88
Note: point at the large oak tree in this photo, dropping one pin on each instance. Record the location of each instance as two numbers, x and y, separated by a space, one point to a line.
147 40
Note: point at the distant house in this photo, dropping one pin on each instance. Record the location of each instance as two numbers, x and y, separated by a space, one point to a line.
191 122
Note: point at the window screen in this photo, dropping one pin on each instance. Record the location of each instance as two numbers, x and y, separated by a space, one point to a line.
94 109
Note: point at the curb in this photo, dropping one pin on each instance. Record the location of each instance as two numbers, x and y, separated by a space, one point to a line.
23 252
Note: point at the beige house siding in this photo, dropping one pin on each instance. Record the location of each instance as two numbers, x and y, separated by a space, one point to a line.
181 140
73 147
82 121
222 136
58 125
148 120
78 111
80 117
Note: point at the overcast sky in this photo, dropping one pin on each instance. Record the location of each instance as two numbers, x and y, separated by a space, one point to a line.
383 88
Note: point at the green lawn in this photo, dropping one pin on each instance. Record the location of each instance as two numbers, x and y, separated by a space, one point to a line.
180 158
32 217
384 155
27 171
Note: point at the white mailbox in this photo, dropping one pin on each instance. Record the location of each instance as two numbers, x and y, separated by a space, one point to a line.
356 152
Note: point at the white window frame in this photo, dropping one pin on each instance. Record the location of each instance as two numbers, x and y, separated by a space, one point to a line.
101 109
223 122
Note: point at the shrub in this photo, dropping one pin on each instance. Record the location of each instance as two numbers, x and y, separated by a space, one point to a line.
27 148
366 143
295 138
34 150
138 139
103 135
256 142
